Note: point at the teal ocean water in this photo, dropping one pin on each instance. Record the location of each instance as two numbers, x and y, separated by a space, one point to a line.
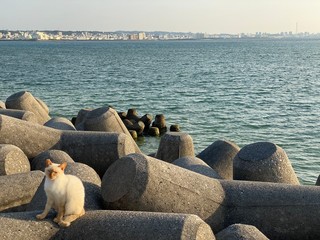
239 90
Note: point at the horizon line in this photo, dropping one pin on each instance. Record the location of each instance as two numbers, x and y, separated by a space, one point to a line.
166 31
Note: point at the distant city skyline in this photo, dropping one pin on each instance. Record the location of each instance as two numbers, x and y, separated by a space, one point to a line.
207 16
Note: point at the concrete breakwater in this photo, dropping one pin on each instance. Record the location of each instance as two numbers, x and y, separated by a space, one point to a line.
222 192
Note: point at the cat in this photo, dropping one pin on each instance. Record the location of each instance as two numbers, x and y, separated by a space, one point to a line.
65 193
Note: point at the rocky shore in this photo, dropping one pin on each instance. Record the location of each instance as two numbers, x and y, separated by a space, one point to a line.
223 192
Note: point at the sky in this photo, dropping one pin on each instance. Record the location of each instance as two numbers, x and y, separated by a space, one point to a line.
208 16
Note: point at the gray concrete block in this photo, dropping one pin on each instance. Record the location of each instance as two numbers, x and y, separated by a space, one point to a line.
20 114
96 149
43 105
23 225
56 156
141 183
174 145
318 181
26 101
240 231
265 162
160 123
13 160
91 182
115 225
18 189
31 138
82 114
106 119
280 211
125 225
219 155
60 123
2 105
196 165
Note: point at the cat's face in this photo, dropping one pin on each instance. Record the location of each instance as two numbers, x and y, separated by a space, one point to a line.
53 170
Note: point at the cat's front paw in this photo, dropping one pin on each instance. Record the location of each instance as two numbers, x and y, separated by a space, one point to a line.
64 224
40 216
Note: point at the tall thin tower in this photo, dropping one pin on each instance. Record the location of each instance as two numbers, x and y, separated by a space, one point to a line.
296 27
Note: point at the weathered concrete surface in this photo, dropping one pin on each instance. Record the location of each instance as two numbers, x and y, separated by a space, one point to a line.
106 119
96 149
31 138
18 189
56 156
113 225
175 145
318 181
240 231
26 101
147 120
82 114
12 160
60 123
280 211
196 165
90 180
43 104
141 183
2 105
125 225
219 155
265 162
132 114
20 114
160 122
23 225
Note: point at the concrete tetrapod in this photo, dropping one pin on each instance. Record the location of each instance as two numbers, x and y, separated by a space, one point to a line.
126 225
141 183
60 123
115 225
280 211
96 149
174 145
265 162
219 155
26 101
106 119
20 114
241 231
56 156
12 160
18 189
196 165
2 105
24 226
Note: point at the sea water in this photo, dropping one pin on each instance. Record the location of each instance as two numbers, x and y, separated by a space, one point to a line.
243 91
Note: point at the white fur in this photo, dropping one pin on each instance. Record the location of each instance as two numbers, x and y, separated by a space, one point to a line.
66 190
65 193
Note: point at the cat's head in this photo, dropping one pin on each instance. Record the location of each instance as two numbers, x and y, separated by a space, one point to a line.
54 170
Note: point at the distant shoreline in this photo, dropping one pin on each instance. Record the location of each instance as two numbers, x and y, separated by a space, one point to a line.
7 35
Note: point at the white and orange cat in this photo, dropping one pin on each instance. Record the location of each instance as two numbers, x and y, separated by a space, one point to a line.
65 193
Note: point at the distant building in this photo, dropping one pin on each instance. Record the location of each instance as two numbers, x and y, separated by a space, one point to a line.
142 36
199 35
134 36
41 36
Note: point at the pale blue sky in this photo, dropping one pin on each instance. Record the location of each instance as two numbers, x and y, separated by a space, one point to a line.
211 16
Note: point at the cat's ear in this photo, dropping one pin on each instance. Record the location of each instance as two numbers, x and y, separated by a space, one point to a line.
48 162
63 166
